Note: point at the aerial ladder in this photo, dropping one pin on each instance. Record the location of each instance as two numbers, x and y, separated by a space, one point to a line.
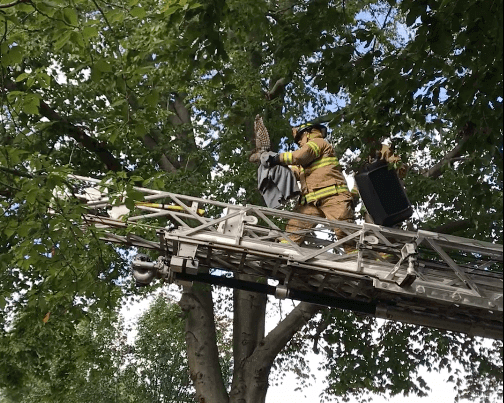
435 280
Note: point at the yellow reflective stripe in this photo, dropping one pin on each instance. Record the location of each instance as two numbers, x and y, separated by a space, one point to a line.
314 147
324 192
166 207
287 157
323 162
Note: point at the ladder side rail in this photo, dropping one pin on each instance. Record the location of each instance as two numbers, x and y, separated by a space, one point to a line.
317 253
210 223
331 246
290 256
442 239
465 244
460 272
158 214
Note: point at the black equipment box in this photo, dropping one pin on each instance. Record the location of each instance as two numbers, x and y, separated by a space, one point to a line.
383 194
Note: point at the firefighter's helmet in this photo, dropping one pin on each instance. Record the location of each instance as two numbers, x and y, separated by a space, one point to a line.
308 126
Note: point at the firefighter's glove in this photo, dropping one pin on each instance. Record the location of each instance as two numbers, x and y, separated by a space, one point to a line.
269 159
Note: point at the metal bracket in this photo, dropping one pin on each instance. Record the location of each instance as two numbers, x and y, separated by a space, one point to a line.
282 291
408 252
185 260
235 224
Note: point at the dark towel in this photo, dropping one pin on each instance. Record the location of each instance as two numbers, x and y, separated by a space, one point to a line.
277 185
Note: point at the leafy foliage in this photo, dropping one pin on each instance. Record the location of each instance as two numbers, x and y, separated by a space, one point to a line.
163 93
97 364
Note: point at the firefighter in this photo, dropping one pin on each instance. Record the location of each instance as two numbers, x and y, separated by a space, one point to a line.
323 187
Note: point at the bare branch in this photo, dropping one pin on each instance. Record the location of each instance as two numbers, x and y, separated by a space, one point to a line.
277 88
164 162
78 134
375 41
283 332
452 227
436 171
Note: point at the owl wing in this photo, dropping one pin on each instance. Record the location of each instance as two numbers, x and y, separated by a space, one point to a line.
262 139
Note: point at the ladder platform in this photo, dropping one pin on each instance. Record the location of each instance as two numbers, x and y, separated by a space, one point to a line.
420 277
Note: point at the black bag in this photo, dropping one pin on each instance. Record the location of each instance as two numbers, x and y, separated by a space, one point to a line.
383 194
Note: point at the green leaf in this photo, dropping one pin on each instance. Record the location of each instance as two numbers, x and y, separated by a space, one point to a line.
62 39
31 196
138 12
31 104
411 18
103 66
140 129
70 16
44 80
89 32
9 232
95 74
12 57
153 98
169 10
77 38
442 43
22 77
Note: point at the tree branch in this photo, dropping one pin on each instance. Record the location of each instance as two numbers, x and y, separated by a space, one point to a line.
79 135
164 162
283 332
15 172
436 171
277 89
460 225
14 3
452 227
248 323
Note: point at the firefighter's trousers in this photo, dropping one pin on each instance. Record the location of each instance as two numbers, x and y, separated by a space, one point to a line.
337 207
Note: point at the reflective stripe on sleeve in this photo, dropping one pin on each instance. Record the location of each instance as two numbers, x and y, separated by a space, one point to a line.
314 147
286 158
325 161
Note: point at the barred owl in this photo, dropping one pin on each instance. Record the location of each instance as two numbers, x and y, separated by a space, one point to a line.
262 140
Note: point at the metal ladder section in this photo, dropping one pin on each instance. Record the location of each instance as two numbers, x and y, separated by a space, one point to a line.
421 277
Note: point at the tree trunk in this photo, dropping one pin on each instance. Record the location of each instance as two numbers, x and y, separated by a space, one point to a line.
248 332
250 378
202 353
